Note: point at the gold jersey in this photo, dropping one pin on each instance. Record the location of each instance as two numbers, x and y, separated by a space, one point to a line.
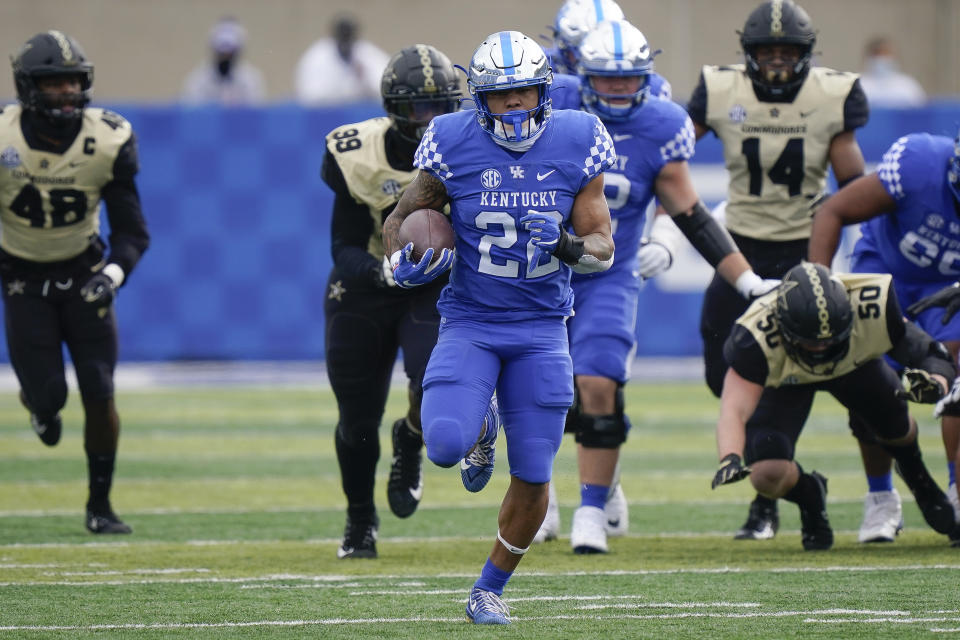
776 152
50 202
360 151
869 337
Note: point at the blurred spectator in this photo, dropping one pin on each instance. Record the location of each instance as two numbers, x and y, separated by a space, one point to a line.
340 68
882 80
225 79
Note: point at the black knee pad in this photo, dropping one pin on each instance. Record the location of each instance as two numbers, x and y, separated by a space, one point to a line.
602 432
358 435
768 445
95 380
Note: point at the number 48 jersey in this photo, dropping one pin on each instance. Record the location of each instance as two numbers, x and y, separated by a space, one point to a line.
490 189
776 152
50 202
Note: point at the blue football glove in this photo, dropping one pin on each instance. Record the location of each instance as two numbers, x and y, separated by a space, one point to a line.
544 232
409 274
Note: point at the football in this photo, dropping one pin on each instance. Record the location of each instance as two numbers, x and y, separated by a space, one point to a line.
426 228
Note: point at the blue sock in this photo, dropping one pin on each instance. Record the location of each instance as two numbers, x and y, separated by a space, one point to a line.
593 495
952 472
880 483
492 579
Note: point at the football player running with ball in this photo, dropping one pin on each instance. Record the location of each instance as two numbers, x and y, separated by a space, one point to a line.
781 122
368 165
516 175
58 159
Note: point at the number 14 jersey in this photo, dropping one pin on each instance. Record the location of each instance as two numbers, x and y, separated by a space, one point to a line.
776 152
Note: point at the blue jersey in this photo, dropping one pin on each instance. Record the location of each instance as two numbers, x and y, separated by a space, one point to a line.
659 86
565 91
490 189
658 133
920 240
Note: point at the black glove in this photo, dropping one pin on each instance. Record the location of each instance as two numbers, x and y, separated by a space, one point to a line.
948 297
731 470
919 386
99 290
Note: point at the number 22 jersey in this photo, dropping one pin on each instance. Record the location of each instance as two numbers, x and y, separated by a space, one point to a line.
490 189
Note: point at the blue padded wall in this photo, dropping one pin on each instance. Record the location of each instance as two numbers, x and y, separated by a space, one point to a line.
240 222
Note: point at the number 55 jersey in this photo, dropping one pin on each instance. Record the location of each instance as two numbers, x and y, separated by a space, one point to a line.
776 152
49 201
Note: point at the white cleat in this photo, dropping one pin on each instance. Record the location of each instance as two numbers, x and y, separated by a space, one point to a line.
589 532
550 527
616 512
882 517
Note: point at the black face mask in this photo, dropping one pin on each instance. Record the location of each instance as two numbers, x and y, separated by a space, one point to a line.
224 67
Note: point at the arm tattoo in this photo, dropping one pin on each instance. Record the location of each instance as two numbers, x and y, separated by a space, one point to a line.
425 192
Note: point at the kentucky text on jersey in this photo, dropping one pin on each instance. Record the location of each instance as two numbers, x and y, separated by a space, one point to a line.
518 198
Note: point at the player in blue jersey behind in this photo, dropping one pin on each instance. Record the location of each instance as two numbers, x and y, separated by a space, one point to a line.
911 212
574 20
515 173
654 139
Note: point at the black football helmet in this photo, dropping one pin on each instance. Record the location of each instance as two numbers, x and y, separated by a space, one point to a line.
815 317
52 53
418 84
778 22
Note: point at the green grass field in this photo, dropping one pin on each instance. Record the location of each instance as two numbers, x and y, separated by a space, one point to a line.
234 497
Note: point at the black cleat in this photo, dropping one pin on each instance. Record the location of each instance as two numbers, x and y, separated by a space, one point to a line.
359 538
105 521
405 486
762 522
816 534
933 503
955 537
48 430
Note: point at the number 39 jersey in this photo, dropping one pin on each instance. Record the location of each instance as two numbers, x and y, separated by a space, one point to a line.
776 152
870 337
360 153
920 240
490 189
50 202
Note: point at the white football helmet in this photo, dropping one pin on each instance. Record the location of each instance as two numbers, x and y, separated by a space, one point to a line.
574 21
507 60
614 49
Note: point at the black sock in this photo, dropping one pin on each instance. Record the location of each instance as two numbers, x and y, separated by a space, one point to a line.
358 467
100 470
806 493
908 458
764 501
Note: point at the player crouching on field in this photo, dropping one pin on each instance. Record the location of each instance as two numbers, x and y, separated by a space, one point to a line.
819 331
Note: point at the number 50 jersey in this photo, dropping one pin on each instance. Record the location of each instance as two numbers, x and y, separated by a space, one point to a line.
755 346
50 202
490 189
776 152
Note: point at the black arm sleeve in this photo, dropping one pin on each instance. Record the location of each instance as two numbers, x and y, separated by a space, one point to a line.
745 356
350 230
913 347
697 107
856 109
129 237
